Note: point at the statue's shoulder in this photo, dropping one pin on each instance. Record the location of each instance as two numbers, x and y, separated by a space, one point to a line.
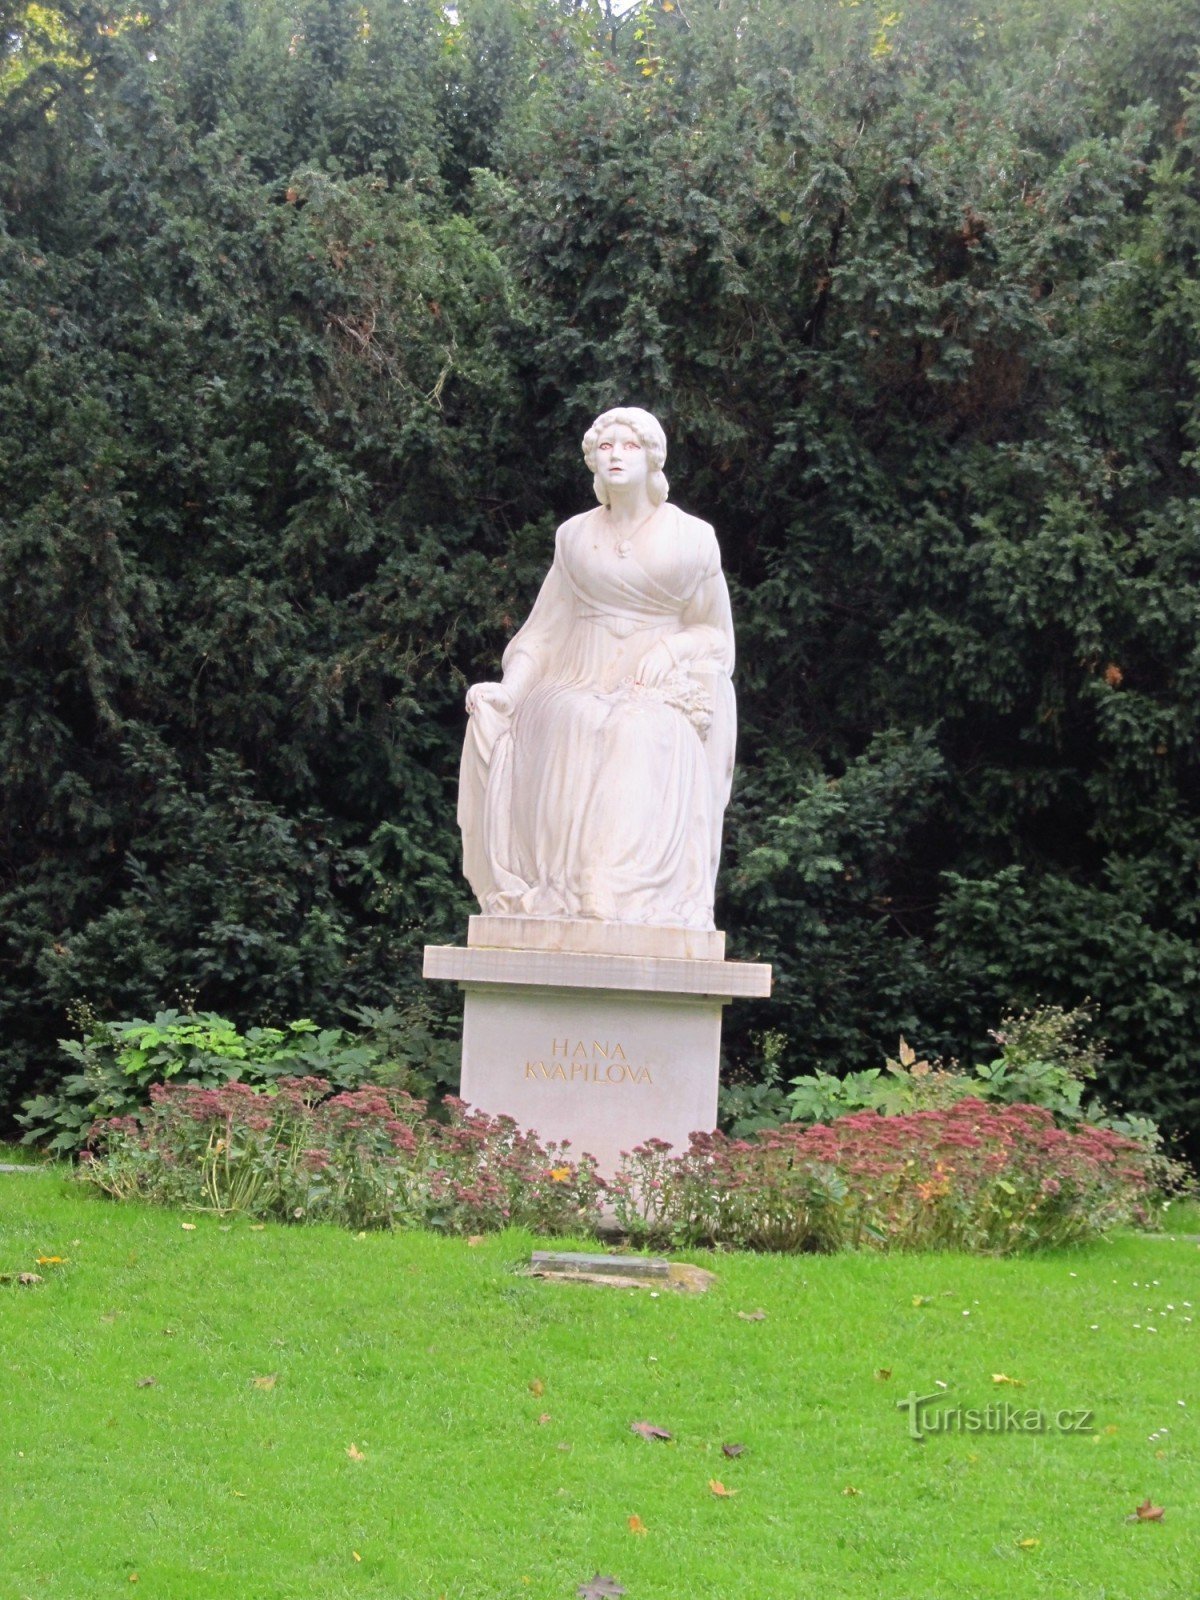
570 529
701 537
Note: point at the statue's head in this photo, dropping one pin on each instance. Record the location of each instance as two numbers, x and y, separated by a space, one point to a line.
649 435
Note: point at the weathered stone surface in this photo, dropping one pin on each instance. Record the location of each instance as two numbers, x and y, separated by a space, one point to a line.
680 1277
548 1261
588 936
575 970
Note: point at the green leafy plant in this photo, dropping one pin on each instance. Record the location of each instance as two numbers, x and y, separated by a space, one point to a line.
757 1099
1047 1057
117 1063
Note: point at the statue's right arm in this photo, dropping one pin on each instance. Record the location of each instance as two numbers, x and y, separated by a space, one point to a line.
535 646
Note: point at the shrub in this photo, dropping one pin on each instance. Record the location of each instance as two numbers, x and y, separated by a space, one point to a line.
118 1063
363 1158
971 1176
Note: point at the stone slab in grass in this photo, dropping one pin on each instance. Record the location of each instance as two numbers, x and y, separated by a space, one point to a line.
619 1272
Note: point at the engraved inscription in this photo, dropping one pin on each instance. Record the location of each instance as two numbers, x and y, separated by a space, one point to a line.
600 1061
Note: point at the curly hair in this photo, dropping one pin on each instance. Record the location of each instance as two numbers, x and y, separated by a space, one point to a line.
650 436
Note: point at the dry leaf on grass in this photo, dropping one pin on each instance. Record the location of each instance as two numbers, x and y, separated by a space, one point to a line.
850 1490
537 1388
188 1227
1146 1512
1003 1377
636 1525
474 1239
1028 1544
718 1488
733 1450
355 1453
752 1316
147 1383
544 1419
647 1430
882 1374
267 1381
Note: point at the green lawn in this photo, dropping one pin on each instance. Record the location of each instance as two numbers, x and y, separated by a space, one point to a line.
421 1351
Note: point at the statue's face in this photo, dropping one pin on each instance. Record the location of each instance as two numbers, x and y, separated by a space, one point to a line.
621 458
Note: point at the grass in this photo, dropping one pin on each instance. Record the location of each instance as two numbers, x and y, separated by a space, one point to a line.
420 1351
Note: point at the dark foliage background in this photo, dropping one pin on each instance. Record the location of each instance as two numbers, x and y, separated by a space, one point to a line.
304 308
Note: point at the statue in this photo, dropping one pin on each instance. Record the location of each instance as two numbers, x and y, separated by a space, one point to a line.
596 773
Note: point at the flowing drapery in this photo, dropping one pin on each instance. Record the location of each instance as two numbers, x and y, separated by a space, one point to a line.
601 796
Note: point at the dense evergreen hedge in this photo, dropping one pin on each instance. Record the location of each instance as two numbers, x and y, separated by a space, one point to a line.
304 308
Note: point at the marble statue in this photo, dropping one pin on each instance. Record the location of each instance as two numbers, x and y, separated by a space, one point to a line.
595 774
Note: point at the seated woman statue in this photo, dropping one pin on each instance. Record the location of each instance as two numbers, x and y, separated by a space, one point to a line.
595 774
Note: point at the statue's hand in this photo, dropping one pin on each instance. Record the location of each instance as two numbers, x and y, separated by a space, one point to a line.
658 663
489 694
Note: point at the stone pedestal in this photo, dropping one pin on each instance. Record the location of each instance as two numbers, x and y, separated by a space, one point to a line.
604 1034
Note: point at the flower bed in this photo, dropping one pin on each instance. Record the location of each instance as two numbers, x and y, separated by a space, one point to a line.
367 1158
972 1176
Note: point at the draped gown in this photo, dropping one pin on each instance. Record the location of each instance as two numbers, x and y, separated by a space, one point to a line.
600 796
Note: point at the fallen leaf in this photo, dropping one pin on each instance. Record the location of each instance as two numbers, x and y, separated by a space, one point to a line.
564 1446
52 1261
733 1450
544 1419
147 1383
267 1381
133 1577
1002 1377
28 1279
475 1238
237 1494
1146 1512
719 1489
851 1490
753 1316
188 1227
537 1388
883 1373
355 1453
257 1227
1028 1544
598 1588
356 1555
647 1430
636 1525
922 1300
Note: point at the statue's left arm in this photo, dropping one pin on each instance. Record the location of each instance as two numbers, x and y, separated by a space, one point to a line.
705 634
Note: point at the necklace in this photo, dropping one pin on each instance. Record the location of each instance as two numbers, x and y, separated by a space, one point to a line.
625 546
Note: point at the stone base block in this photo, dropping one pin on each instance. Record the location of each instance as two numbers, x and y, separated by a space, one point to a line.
592 937
605 1070
605 1047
